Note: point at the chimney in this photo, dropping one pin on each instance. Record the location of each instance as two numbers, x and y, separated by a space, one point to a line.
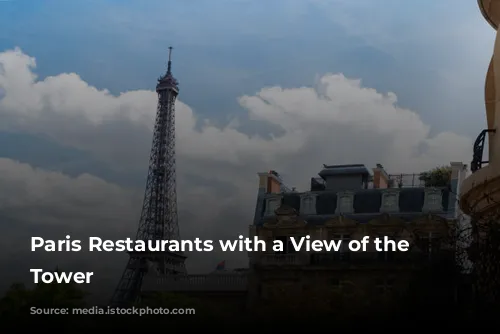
270 182
380 177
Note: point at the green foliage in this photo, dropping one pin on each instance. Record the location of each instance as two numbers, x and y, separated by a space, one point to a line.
437 291
18 299
57 295
437 177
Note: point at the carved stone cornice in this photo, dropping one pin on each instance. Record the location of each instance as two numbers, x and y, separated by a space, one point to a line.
429 223
286 217
386 224
386 219
342 223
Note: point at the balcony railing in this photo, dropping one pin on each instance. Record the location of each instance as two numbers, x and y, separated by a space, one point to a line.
477 158
208 283
325 259
405 181
294 259
370 258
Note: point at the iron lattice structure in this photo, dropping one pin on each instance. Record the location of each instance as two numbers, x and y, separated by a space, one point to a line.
159 211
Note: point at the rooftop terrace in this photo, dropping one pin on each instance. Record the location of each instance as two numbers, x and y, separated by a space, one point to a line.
353 190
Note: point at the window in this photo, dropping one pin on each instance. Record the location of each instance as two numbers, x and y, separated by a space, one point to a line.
384 286
287 245
308 205
345 287
433 200
335 282
338 283
430 244
271 205
389 255
390 201
345 203
266 291
343 253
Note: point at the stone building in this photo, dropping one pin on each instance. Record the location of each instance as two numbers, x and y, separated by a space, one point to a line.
480 193
346 203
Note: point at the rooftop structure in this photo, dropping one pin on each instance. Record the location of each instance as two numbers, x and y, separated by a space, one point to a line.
345 203
356 192
218 281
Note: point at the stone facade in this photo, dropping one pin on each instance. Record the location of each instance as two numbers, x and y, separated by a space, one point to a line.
339 280
336 281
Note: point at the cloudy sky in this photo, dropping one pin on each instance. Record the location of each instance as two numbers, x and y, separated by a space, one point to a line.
285 85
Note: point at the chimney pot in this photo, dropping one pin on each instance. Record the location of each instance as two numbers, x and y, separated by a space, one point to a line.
380 177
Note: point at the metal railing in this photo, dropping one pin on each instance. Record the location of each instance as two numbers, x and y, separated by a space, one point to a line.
405 181
294 259
370 258
210 282
477 157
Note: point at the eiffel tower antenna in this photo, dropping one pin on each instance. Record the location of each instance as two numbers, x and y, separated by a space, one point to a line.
159 210
169 67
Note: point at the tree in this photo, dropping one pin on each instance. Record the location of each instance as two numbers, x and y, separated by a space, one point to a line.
19 299
437 177
58 295
483 252
434 277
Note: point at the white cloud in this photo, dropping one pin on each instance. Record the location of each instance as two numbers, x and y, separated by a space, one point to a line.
305 114
338 121
39 203
31 191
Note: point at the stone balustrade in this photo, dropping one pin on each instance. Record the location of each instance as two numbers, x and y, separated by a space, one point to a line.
199 283
296 259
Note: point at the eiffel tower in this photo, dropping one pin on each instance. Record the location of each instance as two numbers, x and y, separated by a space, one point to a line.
159 210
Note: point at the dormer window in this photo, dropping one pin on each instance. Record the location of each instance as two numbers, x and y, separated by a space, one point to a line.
308 204
345 202
433 200
271 205
390 201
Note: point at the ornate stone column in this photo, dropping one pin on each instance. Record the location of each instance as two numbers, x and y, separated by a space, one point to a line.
480 192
